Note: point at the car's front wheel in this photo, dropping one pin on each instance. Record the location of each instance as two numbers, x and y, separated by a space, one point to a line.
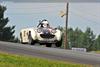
59 43
31 41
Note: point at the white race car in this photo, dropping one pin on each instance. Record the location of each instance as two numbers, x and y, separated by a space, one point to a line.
44 36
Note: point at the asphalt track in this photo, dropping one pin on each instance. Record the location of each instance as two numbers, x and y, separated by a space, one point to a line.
51 53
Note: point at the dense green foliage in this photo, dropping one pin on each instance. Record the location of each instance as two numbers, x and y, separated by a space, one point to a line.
79 39
6 33
8 60
97 42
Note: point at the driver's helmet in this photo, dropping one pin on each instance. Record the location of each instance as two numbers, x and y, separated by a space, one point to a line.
45 23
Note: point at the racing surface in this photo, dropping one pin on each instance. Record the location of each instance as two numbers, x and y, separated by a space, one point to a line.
51 53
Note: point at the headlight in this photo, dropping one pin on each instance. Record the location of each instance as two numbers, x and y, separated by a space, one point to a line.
39 30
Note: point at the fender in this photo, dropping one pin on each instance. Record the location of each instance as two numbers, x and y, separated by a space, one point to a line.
58 34
24 34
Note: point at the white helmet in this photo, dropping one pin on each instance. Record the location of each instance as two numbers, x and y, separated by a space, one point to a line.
45 23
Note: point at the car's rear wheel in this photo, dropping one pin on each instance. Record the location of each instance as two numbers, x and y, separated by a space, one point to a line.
31 41
21 40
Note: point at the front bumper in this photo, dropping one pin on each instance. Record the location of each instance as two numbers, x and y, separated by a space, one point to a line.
53 40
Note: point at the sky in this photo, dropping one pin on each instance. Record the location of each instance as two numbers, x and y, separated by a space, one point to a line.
27 14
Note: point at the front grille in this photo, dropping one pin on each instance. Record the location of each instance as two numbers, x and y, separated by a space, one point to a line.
47 36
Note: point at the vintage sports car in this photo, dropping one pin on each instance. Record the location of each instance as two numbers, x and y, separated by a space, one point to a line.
42 35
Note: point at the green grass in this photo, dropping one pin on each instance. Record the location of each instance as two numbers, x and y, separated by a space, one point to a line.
98 52
10 60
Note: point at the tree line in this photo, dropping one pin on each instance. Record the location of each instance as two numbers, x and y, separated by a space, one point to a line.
79 39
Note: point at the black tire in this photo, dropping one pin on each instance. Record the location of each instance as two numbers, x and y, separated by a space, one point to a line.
21 38
31 41
48 44
59 43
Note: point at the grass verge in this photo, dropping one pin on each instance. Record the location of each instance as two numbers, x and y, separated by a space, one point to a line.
10 60
98 52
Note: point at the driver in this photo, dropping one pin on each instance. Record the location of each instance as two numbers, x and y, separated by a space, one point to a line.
44 23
